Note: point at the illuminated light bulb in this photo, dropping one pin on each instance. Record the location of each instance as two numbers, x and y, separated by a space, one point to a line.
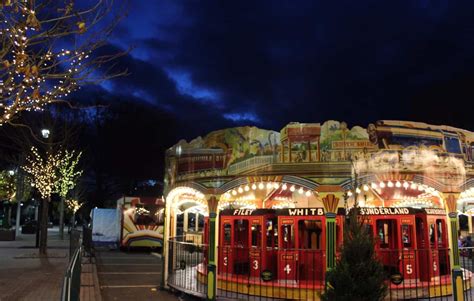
366 188
405 185
301 190
261 186
390 184
254 186
292 188
284 187
349 193
382 185
398 184
421 188
276 185
240 190
373 185
246 188
269 185
358 190
234 192
413 186
308 193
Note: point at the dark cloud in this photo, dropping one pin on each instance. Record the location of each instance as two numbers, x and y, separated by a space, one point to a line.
214 64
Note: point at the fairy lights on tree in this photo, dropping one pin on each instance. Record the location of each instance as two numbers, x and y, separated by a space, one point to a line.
7 185
35 69
68 172
73 205
43 171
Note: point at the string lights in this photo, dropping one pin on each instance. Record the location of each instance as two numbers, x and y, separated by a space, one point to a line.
36 72
68 172
43 171
424 194
244 196
73 205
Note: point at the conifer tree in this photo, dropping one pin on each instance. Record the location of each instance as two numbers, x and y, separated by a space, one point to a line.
358 274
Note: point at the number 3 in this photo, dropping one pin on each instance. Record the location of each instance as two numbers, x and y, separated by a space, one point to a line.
225 261
255 264
409 269
435 267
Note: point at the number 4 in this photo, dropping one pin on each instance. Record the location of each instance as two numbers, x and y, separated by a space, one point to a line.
287 269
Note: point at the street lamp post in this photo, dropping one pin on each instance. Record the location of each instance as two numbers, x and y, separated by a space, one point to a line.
43 222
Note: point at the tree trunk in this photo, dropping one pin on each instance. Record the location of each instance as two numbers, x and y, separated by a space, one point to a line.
44 227
61 218
9 215
18 217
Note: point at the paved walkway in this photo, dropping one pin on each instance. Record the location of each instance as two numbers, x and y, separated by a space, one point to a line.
26 277
131 276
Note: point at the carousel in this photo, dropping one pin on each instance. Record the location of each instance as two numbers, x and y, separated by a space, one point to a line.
260 214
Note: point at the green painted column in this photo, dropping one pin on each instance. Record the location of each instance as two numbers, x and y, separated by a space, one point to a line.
457 279
456 272
330 241
330 203
211 267
212 264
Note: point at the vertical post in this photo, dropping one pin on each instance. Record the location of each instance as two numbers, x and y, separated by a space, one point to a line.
18 217
457 277
61 218
212 265
330 203
469 222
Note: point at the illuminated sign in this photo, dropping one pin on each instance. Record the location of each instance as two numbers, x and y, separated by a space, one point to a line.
352 144
305 211
435 211
383 211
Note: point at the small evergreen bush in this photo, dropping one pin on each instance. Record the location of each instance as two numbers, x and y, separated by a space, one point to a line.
358 274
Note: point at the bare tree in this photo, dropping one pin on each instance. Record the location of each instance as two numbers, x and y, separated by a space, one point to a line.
49 50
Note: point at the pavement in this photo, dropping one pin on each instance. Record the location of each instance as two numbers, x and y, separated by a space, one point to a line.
132 275
23 276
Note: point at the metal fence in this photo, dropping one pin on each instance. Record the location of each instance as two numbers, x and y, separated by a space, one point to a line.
187 267
467 264
74 242
299 274
256 274
72 279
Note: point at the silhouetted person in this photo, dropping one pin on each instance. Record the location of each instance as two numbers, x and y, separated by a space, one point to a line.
468 244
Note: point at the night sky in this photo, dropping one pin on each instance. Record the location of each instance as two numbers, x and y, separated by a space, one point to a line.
198 66
214 64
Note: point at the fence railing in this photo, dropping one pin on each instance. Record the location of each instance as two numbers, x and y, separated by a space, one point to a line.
467 264
72 279
299 274
187 266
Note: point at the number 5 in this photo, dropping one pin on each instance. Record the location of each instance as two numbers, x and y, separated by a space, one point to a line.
409 269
